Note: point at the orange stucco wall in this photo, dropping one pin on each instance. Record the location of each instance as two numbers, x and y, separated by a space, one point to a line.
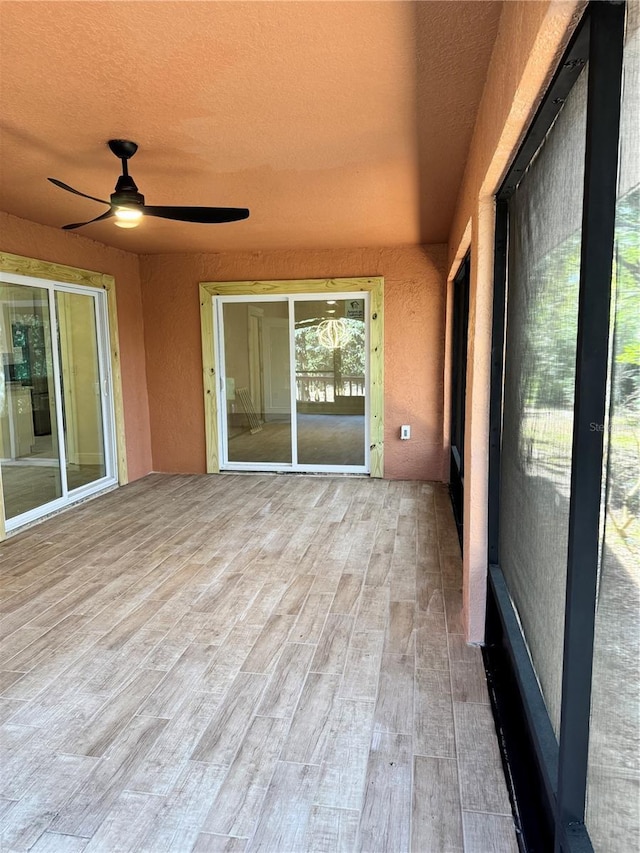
50 244
415 290
531 38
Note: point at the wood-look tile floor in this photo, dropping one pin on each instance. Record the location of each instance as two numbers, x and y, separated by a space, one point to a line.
244 663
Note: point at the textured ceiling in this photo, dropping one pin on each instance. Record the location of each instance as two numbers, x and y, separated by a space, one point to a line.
339 124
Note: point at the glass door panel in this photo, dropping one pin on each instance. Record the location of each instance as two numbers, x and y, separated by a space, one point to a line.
29 447
81 388
257 379
330 371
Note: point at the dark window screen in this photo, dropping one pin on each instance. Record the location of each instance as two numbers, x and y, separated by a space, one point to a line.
540 351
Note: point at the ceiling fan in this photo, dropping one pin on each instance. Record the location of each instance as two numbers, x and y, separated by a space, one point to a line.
127 205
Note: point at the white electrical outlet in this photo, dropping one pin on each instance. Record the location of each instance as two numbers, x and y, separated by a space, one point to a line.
405 432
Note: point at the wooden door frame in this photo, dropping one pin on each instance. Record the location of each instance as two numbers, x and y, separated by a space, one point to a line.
373 285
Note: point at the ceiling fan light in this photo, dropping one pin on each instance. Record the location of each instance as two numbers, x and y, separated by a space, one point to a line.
127 217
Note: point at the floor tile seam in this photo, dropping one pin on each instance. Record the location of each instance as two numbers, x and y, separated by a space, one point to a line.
16 612
324 624
456 738
356 646
225 835
486 704
134 606
136 542
121 650
78 545
291 718
253 716
114 743
415 715
509 814
363 776
104 705
268 672
387 731
12 672
295 706
17 672
184 696
268 786
298 763
194 606
317 804
39 695
376 700
287 718
227 773
439 755
340 672
141 791
68 574
46 650
57 832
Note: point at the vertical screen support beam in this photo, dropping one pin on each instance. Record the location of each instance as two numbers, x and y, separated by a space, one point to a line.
497 360
601 161
459 350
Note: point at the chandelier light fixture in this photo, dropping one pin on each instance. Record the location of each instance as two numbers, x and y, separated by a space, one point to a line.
333 333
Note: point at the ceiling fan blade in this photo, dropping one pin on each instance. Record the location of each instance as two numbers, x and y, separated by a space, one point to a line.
75 192
73 225
197 214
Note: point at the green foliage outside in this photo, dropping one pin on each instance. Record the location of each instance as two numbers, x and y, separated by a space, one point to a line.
348 360
549 353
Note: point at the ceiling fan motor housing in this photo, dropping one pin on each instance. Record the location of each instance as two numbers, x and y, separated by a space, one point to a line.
126 193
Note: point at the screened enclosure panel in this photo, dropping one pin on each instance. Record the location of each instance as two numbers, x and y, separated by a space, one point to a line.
540 354
613 791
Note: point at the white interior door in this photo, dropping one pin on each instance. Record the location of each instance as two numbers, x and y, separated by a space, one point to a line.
256 371
277 368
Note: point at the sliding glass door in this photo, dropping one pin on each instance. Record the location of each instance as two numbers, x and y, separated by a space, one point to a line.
294 378
56 418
